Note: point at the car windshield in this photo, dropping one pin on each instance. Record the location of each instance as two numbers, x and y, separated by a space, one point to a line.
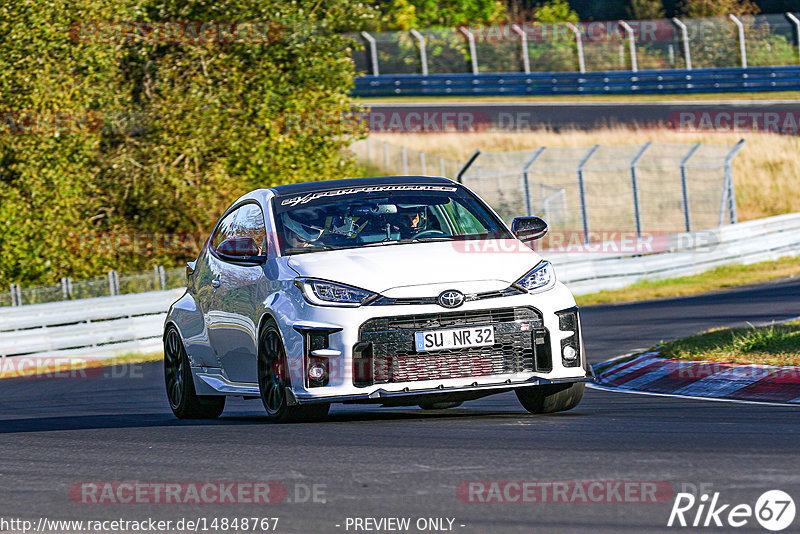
381 215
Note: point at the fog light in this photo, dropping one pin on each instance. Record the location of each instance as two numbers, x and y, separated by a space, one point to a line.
316 372
570 353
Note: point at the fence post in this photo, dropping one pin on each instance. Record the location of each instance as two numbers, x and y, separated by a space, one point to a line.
112 286
64 289
582 190
369 149
467 165
579 44
423 56
631 44
386 155
404 153
15 296
796 22
635 188
684 189
441 165
687 54
534 157
526 60
742 46
422 165
733 216
373 52
473 54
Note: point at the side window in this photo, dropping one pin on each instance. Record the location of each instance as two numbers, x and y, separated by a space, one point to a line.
226 230
250 223
245 222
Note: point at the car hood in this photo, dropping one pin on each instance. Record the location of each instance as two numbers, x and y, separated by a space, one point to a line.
422 269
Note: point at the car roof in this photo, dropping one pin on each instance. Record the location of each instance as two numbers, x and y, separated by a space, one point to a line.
307 187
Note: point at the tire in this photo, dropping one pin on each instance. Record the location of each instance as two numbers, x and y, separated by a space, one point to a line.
273 379
551 398
439 405
182 397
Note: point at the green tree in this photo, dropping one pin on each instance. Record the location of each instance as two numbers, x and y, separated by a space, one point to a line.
717 8
647 9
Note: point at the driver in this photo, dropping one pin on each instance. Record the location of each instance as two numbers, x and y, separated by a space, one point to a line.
300 234
411 220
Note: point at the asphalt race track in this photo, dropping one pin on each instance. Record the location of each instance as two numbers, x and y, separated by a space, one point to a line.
375 462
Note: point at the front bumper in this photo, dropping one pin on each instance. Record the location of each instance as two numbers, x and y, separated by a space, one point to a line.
345 334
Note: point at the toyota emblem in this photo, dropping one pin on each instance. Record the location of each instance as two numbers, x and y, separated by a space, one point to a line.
451 299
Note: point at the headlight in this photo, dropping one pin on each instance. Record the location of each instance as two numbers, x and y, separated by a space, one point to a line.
540 278
324 293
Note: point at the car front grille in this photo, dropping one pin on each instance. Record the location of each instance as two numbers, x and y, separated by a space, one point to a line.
386 351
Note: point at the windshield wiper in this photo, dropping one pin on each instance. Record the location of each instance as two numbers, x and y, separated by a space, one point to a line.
312 248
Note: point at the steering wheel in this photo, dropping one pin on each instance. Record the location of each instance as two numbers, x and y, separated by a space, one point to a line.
432 232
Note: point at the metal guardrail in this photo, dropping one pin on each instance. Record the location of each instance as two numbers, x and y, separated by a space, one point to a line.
109 326
712 80
99 327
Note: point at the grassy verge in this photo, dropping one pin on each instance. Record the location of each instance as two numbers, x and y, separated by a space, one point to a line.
715 97
719 278
59 365
769 345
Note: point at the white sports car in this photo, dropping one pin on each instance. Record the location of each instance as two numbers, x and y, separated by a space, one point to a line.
400 291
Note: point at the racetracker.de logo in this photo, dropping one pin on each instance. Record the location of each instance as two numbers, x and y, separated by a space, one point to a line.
177 493
568 491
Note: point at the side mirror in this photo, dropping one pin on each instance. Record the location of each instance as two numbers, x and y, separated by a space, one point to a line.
240 249
529 228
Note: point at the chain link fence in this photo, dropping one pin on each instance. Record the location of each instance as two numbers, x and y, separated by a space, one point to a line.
654 188
112 284
711 42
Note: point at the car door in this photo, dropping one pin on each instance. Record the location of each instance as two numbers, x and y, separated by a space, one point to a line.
237 294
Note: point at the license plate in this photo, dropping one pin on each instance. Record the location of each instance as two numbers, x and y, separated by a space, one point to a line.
457 338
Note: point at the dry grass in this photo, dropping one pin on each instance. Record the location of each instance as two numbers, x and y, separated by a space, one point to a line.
766 171
769 345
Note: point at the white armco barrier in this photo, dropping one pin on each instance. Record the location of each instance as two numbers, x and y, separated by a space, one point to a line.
101 327
109 326
678 255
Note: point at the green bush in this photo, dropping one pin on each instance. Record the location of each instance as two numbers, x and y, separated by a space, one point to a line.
176 130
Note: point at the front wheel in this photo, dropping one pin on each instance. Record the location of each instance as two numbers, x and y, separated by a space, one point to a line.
273 379
551 398
183 399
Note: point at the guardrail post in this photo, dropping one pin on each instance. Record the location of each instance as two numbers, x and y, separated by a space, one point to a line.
684 189
631 44
687 53
404 153
373 52
579 44
742 46
733 216
582 190
635 188
473 54
423 56
526 185
796 22
526 60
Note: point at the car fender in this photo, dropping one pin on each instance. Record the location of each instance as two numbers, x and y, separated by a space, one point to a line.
186 316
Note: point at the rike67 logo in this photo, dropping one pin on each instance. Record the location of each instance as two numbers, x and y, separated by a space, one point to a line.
774 510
